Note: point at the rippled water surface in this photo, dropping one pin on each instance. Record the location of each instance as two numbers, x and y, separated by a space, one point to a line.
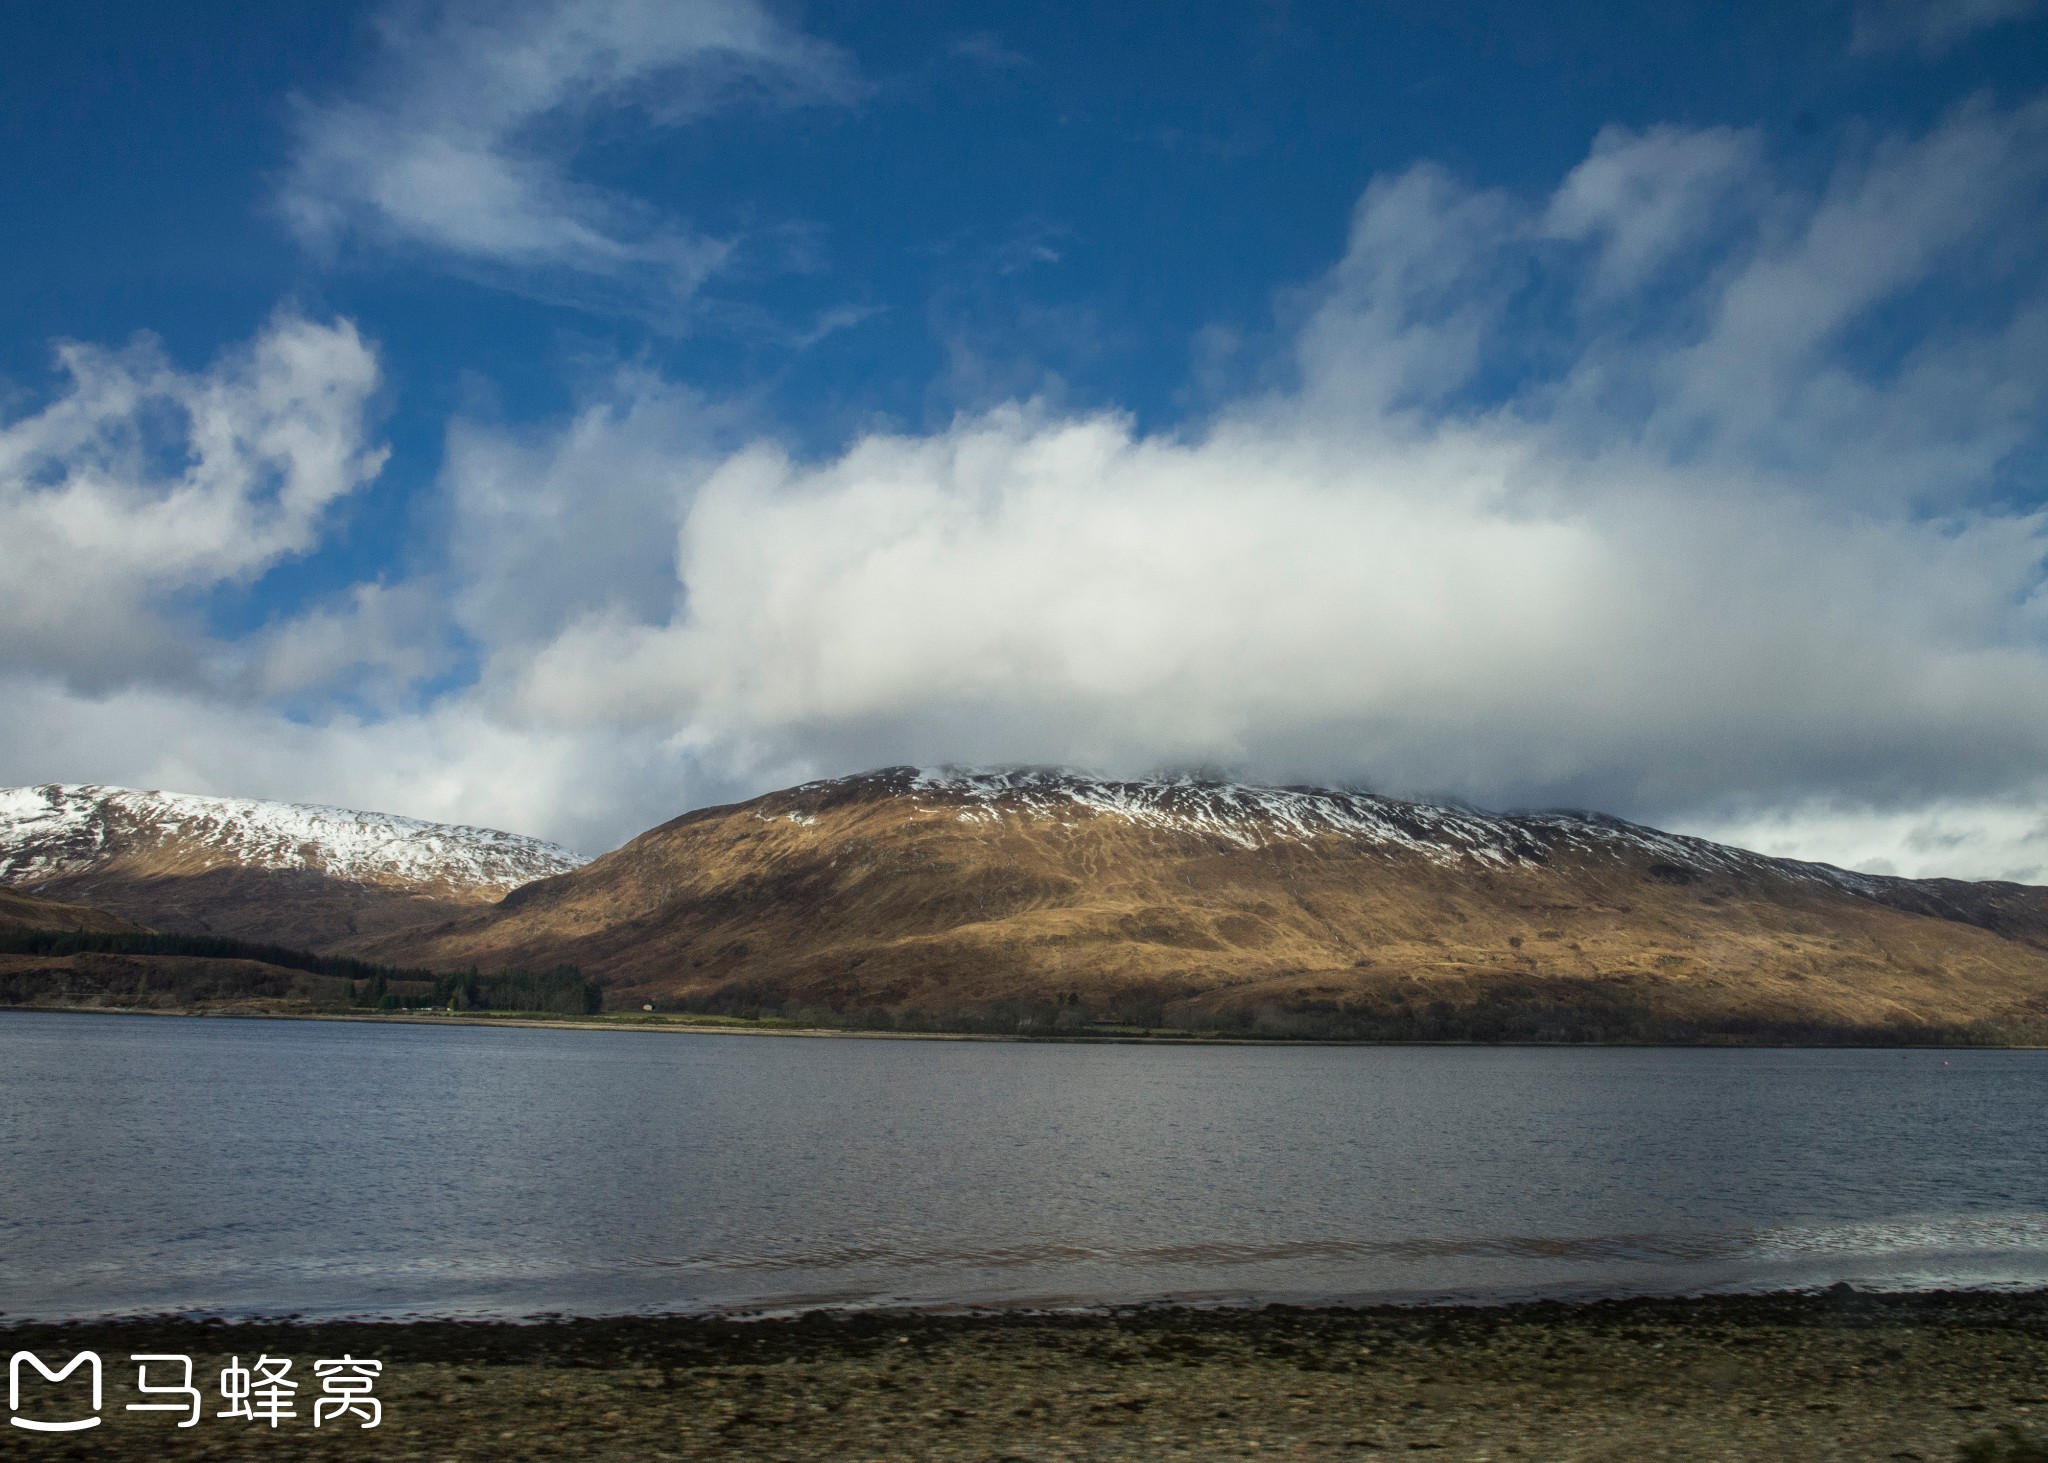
149 1164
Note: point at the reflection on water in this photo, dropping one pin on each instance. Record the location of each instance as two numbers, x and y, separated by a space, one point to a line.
262 1166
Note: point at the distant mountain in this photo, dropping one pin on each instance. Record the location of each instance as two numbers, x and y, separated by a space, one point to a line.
1054 898
309 877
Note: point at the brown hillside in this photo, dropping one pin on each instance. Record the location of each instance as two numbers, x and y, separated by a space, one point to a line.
20 912
163 983
1209 904
303 909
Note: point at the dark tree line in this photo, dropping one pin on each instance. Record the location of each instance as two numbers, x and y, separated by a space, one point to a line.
205 947
562 991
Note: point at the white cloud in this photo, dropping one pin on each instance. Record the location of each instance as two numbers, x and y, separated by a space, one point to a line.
1775 381
463 141
1684 490
140 483
1441 614
1990 838
451 762
376 640
544 527
1931 27
1403 319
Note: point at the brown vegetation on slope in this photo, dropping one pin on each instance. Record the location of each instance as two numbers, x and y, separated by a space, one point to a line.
123 982
883 894
20 911
183 893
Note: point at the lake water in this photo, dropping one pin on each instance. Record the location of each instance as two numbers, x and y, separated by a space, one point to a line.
274 1167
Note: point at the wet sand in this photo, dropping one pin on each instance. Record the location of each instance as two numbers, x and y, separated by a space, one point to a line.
1834 1376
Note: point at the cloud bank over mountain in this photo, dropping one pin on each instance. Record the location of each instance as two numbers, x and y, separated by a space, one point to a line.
1702 488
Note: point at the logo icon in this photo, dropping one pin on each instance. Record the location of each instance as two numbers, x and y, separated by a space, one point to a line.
14 1391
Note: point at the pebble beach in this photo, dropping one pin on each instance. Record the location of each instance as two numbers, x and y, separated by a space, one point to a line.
1835 1375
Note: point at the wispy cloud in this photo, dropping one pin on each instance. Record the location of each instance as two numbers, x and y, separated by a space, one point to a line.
462 142
1651 199
1930 27
986 48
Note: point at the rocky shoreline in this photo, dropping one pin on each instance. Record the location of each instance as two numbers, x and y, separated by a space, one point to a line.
1841 1375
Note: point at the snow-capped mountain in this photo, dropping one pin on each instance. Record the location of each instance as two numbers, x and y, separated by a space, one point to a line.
931 893
66 830
284 873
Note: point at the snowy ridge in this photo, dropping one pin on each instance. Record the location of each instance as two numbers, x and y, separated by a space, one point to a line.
1253 817
56 830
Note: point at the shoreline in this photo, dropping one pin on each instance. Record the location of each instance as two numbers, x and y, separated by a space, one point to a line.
1838 1374
740 1026
715 1026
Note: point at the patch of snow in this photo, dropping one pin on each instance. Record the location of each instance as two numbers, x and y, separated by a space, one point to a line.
61 829
1252 817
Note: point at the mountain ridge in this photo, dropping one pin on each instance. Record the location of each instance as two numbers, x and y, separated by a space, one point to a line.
1483 835
908 889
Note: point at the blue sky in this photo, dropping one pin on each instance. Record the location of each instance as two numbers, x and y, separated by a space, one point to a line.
558 415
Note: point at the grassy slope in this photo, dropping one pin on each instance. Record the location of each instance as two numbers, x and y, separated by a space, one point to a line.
20 911
162 983
296 907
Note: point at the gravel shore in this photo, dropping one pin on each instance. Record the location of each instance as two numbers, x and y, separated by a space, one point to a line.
1840 1375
